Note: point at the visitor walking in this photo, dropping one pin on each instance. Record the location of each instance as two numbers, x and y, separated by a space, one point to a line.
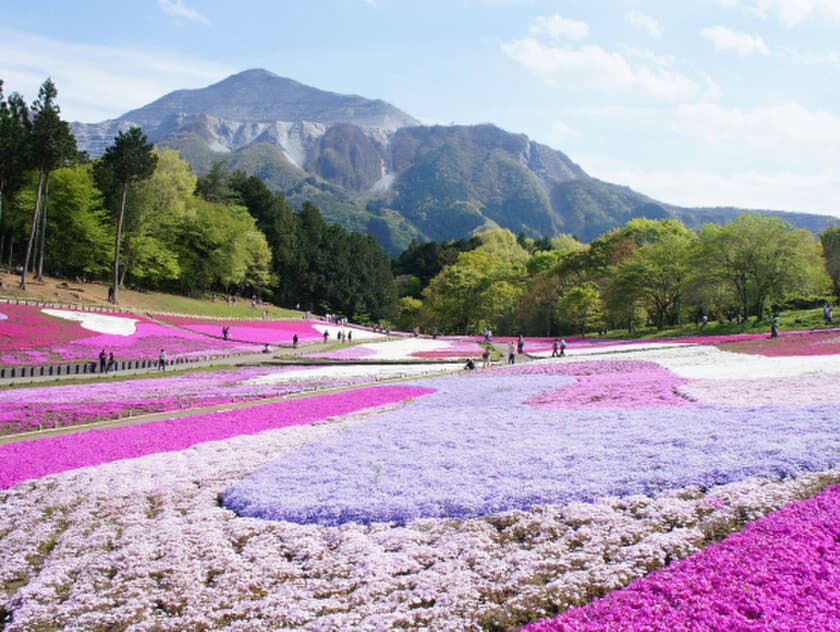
511 353
103 361
295 341
555 348
774 327
520 344
485 356
562 347
112 363
162 360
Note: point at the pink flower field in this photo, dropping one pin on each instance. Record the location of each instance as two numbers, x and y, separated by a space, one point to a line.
32 335
252 331
33 459
648 487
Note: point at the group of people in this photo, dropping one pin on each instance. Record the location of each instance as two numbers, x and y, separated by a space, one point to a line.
341 336
107 362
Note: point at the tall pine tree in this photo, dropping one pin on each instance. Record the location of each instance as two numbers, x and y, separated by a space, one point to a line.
130 159
51 144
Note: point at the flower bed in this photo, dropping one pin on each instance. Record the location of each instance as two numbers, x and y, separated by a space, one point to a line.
405 349
32 335
464 452
825 342
53 406
144 541
781 573
32 459
253 331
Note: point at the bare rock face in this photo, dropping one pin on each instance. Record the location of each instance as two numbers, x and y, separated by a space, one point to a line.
251 105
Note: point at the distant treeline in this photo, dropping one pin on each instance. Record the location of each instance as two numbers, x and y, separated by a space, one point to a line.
647 273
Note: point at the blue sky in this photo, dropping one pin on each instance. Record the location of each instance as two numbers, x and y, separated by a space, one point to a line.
699 103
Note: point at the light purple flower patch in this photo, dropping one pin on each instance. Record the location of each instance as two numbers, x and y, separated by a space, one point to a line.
476 447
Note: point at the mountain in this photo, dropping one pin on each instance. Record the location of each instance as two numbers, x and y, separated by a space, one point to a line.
373 168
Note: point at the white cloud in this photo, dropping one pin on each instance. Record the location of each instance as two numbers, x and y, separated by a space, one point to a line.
789 13
817 192
98 82
562 130
177 9
666 61
559 27
742 44
790 128
713 91
594 67
645 22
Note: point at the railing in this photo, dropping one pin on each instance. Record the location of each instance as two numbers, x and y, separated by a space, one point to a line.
10 300
91 367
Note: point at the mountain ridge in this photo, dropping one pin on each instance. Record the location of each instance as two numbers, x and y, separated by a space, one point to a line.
372 167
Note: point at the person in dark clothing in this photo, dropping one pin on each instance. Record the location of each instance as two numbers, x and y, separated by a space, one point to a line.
103 361
112 362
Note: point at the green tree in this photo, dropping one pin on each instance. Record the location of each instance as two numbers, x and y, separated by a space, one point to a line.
14 130
78 224
409 310
580 307
656 275
50 145
460 298
213 186
830 240
220 247
130 159
762 259
161 207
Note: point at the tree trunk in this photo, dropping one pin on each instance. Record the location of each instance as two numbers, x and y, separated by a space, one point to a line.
32 232
116 286
44 227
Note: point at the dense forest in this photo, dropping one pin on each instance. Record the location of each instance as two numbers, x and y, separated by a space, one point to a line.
139 217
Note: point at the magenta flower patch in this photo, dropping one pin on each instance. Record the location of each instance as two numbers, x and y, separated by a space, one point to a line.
795 343
613 383
33 459
29 336
254 331
781 572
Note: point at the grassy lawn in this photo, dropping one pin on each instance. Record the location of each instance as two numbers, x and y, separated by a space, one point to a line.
790 320
72 293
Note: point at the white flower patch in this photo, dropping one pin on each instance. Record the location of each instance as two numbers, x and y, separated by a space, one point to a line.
404 348
100 323
587 350
708 362
358 334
